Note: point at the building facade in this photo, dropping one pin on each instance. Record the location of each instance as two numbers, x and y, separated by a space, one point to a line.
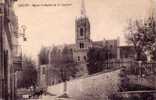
80 49
8 40
83 41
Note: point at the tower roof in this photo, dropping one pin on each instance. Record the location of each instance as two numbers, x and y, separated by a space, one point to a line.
152 9
83 9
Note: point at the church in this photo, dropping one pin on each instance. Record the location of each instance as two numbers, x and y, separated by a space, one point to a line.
83 41
80 48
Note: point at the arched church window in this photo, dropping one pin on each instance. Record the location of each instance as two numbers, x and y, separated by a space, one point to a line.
81 31
78 58
71 50
111 46
81 45
44 70
85 58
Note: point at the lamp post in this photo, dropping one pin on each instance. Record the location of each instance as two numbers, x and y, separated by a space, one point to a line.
22 34
18 57
64 78
18 47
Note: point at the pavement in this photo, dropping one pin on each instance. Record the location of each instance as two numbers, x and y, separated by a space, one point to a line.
49 97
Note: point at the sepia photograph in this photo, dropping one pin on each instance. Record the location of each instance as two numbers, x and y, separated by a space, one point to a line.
77 49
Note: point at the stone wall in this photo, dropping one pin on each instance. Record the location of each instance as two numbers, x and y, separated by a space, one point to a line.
94 87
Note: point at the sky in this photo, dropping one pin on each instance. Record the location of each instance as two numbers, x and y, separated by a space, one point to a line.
55 25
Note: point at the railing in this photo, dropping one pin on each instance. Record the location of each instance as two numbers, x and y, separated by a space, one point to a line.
133 67
143 68
138 95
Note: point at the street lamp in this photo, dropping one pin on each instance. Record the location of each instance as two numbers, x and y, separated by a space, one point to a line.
64 78
19 46
22 34
23 27
18 60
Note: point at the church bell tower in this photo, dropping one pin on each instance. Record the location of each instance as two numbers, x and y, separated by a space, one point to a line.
82 35
82 28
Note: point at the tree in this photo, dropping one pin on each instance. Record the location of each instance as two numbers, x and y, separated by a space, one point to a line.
55 56
67 65
97 57
142 35
63 61
60 61
43 56
62 64
28 74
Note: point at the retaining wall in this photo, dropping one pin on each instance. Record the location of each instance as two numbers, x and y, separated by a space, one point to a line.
94 87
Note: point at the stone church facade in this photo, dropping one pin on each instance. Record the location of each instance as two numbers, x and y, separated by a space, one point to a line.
80 49
83 41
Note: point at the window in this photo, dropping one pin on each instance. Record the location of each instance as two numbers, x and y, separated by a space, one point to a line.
6 59
81 31
44 70
85 58
81 45
78 58
111 46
